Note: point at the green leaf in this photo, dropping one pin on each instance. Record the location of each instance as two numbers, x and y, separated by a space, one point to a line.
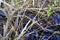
50 7
48 13
49 10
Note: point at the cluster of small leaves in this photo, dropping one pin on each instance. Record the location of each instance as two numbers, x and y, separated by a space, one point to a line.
50 7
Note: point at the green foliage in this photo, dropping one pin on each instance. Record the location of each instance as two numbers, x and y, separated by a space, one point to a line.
50 7
49 10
